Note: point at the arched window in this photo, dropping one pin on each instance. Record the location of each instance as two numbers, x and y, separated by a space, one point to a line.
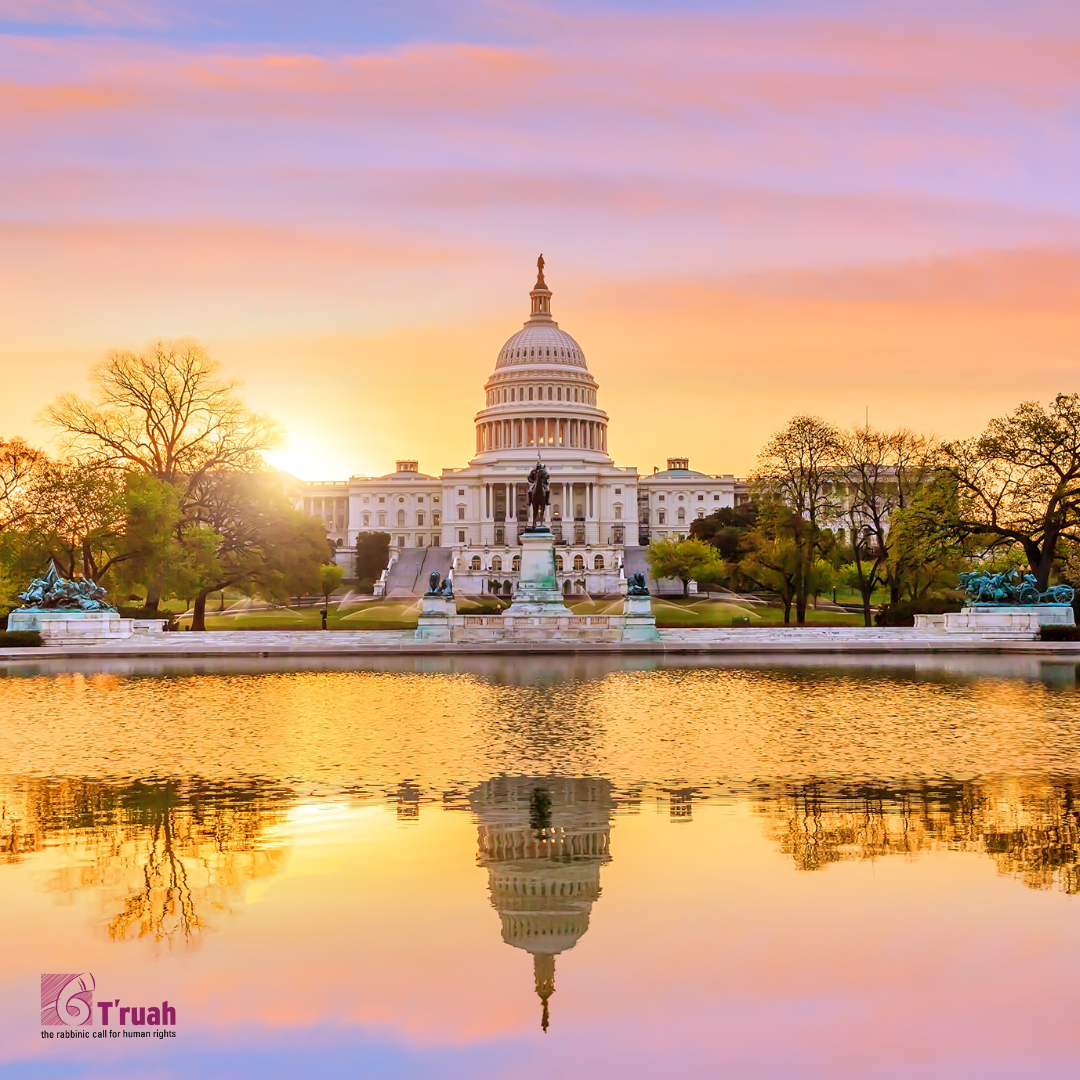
515 563
558 394
579 563
496 565
598 562
618 511
507 588
367 520
558 563
681 514
474 564
701 513
382 518
661 518
401 518
530 393
549 393
420 518
566 586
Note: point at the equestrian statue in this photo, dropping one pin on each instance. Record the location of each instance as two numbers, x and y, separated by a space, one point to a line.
539 495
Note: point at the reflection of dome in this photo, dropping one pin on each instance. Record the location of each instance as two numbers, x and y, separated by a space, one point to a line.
543 841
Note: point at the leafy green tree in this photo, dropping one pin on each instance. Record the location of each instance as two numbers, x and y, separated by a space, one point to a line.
682 559
330 578
251 537
927 544
726 529
372 555
1019 481
79 520
774 563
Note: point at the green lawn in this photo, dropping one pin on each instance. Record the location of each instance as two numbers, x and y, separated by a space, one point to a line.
401 614
672 613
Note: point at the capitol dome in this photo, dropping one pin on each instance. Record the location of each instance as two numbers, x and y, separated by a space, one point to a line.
541 396
540 343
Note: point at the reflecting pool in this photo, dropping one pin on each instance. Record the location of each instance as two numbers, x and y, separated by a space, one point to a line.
531 867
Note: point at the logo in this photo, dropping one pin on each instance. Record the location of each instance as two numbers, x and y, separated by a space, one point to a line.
67 1000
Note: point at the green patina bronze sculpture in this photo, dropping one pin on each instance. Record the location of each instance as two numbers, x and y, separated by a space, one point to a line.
1007 589
55 593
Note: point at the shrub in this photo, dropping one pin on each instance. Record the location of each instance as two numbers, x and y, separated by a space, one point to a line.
903 614
1060 633
140 613
20 639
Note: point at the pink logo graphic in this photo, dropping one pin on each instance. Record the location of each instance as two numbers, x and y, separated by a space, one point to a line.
67 1000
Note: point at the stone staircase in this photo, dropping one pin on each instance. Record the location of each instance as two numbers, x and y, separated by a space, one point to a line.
414 566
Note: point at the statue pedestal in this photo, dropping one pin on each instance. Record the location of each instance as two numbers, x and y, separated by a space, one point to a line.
639 623
71 627
434 621
1045 614
1021 621
538 587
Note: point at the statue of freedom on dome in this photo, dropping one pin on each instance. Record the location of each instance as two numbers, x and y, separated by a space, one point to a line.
539 494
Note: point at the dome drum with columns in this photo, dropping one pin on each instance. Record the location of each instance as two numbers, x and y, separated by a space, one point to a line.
541 401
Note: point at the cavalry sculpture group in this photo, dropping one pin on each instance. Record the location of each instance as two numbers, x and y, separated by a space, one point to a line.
55 593
1009 588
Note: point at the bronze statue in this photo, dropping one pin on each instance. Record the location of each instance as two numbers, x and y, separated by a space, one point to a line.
55 593
446 590
636 585
539 494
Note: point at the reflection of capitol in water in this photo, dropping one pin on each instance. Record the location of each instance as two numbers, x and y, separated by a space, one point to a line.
543 841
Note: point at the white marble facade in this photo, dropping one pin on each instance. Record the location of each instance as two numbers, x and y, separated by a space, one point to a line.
540 401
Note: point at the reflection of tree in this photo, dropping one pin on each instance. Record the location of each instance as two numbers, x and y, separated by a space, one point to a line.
167 854
1029 827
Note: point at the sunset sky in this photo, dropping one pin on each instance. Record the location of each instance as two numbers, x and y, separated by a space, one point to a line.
747 209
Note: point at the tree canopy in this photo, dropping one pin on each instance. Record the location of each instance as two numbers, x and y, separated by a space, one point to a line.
1019 481
682 559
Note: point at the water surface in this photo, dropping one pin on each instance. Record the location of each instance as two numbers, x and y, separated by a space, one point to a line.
521 867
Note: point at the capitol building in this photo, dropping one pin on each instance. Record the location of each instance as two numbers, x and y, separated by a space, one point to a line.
540 402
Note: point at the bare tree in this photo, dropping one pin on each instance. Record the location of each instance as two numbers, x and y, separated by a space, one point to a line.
21 470
880 471
164 412
1019 482
168 414
798 466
